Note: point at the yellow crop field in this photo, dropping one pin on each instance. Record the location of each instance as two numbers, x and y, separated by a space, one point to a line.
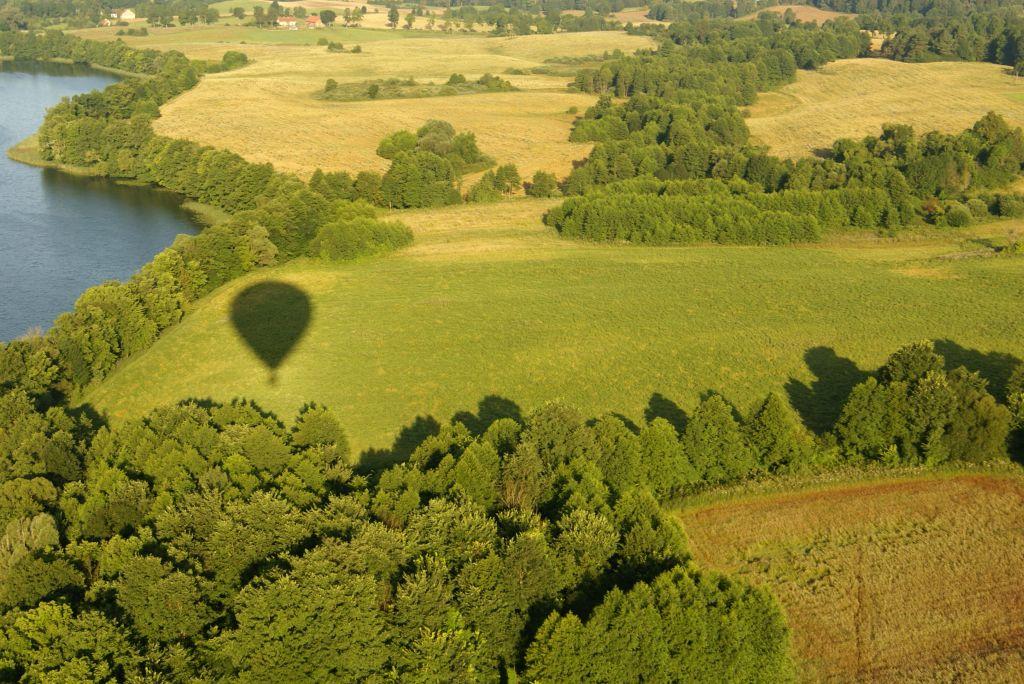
268 112
853 98
897 581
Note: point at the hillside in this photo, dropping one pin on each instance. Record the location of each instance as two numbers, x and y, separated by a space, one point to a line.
853 98
487 301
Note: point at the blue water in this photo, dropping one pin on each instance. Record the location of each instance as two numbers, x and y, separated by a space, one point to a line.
60 234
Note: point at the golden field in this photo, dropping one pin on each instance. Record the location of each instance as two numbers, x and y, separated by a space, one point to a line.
898 581
853 98
803 13
267 111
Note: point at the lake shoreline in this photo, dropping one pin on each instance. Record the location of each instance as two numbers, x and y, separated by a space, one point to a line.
27 152
96 67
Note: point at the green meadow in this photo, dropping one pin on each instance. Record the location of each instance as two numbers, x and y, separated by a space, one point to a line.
489 302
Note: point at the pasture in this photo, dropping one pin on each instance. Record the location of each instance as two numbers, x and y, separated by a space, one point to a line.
807 13
853 98
267 111
891 581
488 301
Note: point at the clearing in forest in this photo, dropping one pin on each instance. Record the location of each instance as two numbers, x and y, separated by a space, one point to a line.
268 111
803 13
897 581
488 301
853 98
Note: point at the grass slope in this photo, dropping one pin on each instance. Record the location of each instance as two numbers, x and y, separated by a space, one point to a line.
915 580
853 98
268 111
489 301
803 13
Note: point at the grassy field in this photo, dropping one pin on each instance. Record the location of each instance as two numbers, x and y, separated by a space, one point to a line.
490 302
803 13
853 98
268 111
897 581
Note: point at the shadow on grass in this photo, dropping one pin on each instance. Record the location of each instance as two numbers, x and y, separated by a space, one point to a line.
660 406
489 409
995 367
409 437
820 402
271 317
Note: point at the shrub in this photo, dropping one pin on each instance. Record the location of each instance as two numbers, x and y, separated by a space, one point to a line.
1011 205
360 236
543 184
957 215
977 207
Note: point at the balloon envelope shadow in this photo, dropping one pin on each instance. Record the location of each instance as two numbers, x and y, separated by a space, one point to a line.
271 317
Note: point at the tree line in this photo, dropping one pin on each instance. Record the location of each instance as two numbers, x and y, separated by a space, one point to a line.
209 540
682 121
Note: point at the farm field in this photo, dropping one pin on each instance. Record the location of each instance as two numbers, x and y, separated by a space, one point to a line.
803 13
298 133
853 98
488 301
892 581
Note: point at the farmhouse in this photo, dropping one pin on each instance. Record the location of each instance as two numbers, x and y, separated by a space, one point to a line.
123 15
289 23
313 22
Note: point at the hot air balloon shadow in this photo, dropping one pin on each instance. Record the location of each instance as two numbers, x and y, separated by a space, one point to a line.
271 317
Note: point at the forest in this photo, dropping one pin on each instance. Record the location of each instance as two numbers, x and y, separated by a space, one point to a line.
214 540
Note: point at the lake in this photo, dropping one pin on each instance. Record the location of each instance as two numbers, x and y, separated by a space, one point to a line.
60 234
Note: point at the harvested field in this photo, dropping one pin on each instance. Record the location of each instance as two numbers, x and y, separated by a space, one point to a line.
803 13
854 97
915 580
268 111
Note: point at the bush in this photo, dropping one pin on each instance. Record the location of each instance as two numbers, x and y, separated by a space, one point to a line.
1011 205
957 215
360 236
543 184
977 207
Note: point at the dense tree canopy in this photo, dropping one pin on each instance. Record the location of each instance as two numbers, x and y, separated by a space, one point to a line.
214 541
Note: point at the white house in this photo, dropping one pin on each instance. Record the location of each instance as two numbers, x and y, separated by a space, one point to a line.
289 23
123 15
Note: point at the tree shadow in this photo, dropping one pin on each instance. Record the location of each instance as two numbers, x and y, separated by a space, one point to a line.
489 409
271 317
409 437
820 402
660 406
994 367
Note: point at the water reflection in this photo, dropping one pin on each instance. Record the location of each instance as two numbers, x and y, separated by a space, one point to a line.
60 234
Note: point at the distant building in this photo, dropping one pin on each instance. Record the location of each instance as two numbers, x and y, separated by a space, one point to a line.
106 22
123 15
289 23
313 22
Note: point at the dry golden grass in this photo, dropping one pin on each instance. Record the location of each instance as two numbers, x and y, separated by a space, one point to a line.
803 13
267 111
637 15
853 98
916 580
